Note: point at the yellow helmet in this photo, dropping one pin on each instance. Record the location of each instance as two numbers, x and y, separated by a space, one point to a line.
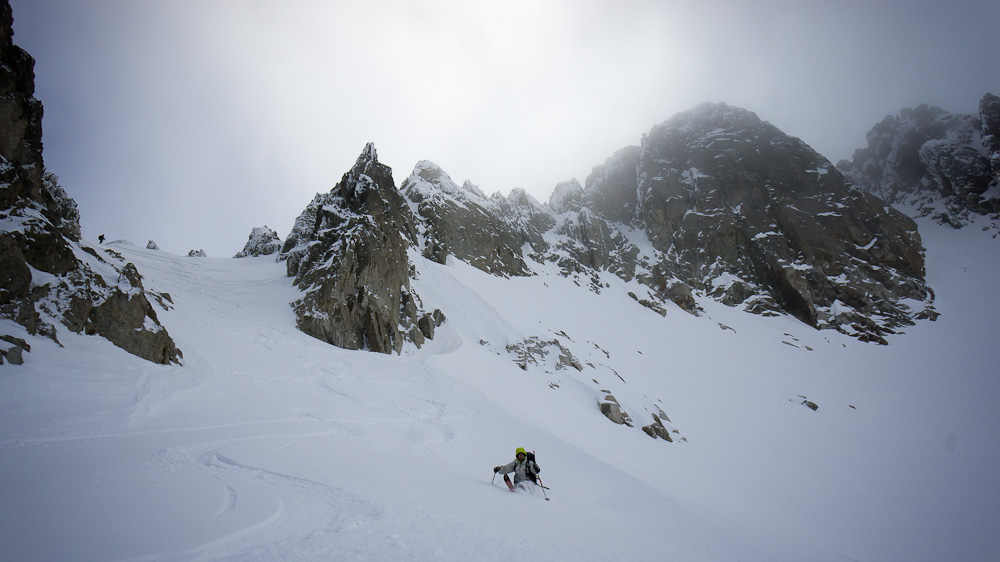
519 451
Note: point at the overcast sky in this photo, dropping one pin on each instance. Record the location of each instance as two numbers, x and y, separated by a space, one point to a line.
189 122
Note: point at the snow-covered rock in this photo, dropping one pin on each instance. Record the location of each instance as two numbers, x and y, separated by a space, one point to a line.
567 196
348 254
263 242
942 164
753 217
462 222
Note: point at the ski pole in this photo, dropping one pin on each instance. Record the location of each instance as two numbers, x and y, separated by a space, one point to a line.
539 484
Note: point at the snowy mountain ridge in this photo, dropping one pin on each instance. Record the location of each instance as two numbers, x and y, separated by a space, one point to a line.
722 203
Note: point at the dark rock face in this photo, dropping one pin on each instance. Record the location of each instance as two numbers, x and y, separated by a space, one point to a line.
263 242
527 218
21 115
943 164
301 235
611 187
588 242
493 234
989 117
754 217
48 277
348 253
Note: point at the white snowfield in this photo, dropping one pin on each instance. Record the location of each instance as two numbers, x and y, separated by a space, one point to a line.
270 445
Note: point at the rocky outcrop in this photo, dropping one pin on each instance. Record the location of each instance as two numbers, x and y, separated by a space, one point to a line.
755 218
463 222
657 429
49 277
527 217
613 411
943 164
12 350
300 238
989 119
549 355
611 187
262 242
568 363
567 196
590 243
348 254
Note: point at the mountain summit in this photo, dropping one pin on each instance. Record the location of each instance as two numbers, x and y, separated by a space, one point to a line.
750 216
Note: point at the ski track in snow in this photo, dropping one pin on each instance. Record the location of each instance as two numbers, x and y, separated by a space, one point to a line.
270 445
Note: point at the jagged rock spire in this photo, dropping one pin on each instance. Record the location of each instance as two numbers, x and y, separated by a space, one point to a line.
348 254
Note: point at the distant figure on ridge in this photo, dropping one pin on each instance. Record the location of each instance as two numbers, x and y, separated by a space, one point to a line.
100 239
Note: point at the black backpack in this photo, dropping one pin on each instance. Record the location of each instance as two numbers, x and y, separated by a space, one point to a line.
532 469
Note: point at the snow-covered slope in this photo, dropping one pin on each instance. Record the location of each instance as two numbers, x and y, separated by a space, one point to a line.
268 444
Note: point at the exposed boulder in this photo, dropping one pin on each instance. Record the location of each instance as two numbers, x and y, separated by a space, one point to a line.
262 242
49 278
943 164
12 350
656 429
612 410
152 245
348 254
676 291
197 254
810 404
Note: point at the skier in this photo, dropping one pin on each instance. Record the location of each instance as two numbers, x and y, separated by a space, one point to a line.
524 469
